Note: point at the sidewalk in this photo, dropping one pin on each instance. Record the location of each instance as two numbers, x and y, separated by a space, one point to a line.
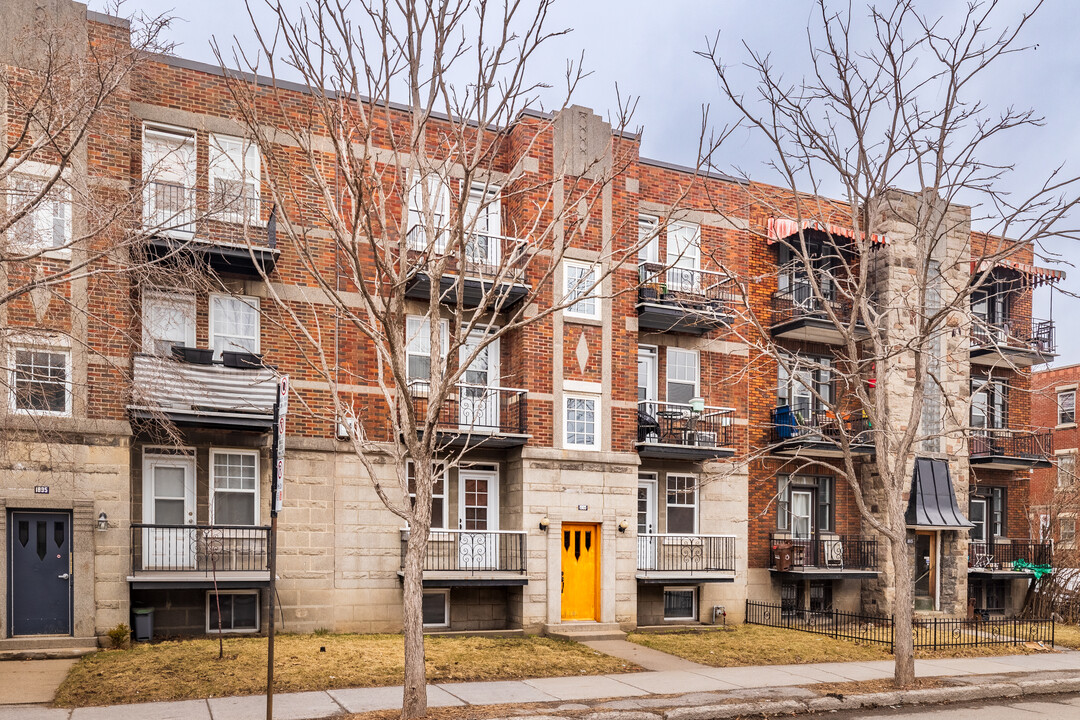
704 692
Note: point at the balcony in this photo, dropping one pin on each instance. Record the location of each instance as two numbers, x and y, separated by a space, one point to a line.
1012 343
206 395
472 557
996 558
799 430
663 558
476 415
491 261
175 556
826 557
676 432
1010 449
673 299
797 314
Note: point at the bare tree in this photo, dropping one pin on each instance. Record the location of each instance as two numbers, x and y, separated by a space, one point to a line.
888 101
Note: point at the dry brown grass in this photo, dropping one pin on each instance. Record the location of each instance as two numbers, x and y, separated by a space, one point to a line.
1067 636
187 669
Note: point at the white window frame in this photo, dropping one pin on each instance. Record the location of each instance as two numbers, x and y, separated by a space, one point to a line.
1070 540
252 303
445 592
572 290
415 212
184 301
437 468
417 330
1060 455
60 193
183 136
13 392
682 588
1064 392
595 399
673 352
648 250
258 611
255 493
668 505
223 165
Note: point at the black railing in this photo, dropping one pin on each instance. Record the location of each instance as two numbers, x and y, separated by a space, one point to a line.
169 206
801 422
927 633
234 202
199 548
841 552
472 551
1001 555
799 301
485 254
678 424
689 554
1036 335
1006 442
475 409
695 290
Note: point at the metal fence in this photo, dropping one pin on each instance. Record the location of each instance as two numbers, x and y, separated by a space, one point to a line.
199 548
928 633
841 552
702 290
799 301
1010 442
686 553
677 424
1000 556
480 409
803 422
1037 335
472 551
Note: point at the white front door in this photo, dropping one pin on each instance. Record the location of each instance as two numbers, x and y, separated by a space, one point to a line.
683 257
646 523
478 394
169 504
482 247
478 500
801 514
646 376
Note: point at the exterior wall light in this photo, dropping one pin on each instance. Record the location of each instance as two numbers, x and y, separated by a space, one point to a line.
697 405
102 522
544 523
623 525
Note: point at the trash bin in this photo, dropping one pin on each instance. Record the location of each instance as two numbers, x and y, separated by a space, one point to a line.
782 555
144 624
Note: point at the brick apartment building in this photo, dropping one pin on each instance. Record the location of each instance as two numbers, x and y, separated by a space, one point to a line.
658 500
1053 489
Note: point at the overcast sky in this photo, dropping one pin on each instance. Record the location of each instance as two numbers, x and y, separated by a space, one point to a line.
648 48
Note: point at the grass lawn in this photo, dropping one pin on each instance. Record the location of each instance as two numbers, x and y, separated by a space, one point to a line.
188 669
1067 636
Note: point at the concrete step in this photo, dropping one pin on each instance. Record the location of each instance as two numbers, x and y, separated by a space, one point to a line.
581 631
45 647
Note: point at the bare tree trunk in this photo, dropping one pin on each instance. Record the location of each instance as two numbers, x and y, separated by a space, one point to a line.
903 611
414 704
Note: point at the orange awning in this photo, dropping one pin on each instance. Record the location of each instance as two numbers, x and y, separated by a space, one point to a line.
780 228
1036 275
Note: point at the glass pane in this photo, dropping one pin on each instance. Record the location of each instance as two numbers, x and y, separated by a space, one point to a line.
169 512
680 520
234 508
434 609
678 604
245 612
169 482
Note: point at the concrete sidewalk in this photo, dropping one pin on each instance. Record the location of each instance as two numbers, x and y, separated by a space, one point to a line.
701 686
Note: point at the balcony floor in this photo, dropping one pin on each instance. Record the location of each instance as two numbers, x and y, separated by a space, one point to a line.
667 577
471 578
178 579
820 573
1007 356
682 452
1000 574
814 329
808 446
1003 462
664 317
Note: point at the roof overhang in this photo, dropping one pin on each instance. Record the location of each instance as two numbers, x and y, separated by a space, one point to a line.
932 503
1034 274
782 228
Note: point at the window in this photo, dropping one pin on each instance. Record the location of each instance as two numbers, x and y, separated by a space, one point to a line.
47 222
997 511
234 485
169 174
434 190
805 384
648 239
682 375
680 603
41 381
438 494
234 178
418 346
989 403
977 516
578 280
683 257
822 486
1067 530
821 596
793 280
1066 407
168 321
681 504
932 409
436 608
582 422
239 611
483 219
234 324
1066 469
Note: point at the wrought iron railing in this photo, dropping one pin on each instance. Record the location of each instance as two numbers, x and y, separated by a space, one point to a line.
677 424
234 202
485 254
1001 555
802 422
689 554
1037 335
472 551
800 301
695 290
199 548
1011 443
840 552
479 409
169 206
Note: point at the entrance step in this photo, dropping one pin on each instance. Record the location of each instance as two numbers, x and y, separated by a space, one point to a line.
43 648
581 631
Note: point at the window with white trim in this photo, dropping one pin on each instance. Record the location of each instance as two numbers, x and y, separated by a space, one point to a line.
438 493
682 375
582 422
1066 469
418 346
41 381
239 611
1066 530
1066 402
683 256
436 608
168 160
680 603
235 183
47 222
168 321
234 324
578 279
234 487
681 504
648 239
437 196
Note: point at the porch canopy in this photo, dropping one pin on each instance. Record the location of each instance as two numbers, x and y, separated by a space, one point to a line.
932 503
781 228
1033 274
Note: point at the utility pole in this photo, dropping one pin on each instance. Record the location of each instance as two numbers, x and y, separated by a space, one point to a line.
277 483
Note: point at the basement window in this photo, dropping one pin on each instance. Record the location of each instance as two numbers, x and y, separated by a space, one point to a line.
239 611
436 608
680 603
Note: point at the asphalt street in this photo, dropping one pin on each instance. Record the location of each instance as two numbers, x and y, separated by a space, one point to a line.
1058 707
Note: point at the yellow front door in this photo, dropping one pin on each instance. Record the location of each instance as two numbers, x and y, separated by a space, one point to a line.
580 571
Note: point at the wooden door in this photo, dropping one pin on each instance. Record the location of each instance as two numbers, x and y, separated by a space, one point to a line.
580 571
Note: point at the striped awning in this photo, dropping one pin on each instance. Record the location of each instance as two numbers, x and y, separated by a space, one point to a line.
781 228
1035 275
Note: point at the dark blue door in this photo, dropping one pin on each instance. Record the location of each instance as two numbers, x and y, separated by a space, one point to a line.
40 570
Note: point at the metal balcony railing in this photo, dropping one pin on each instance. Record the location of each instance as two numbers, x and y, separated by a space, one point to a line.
235 202
485 254
472 551
799 301
665 423
169 206
1000 555
1011 443
479 409
839 552
689 554
1036 335
698 290
199 548
801 422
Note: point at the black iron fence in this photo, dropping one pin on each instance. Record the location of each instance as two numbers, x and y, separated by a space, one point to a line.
698 290
679 424
842 552
927 633
472 551
803 422
1037 335
169 206
799 301
1011 443
479 409
484 254
1001 555
687 554
199 548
